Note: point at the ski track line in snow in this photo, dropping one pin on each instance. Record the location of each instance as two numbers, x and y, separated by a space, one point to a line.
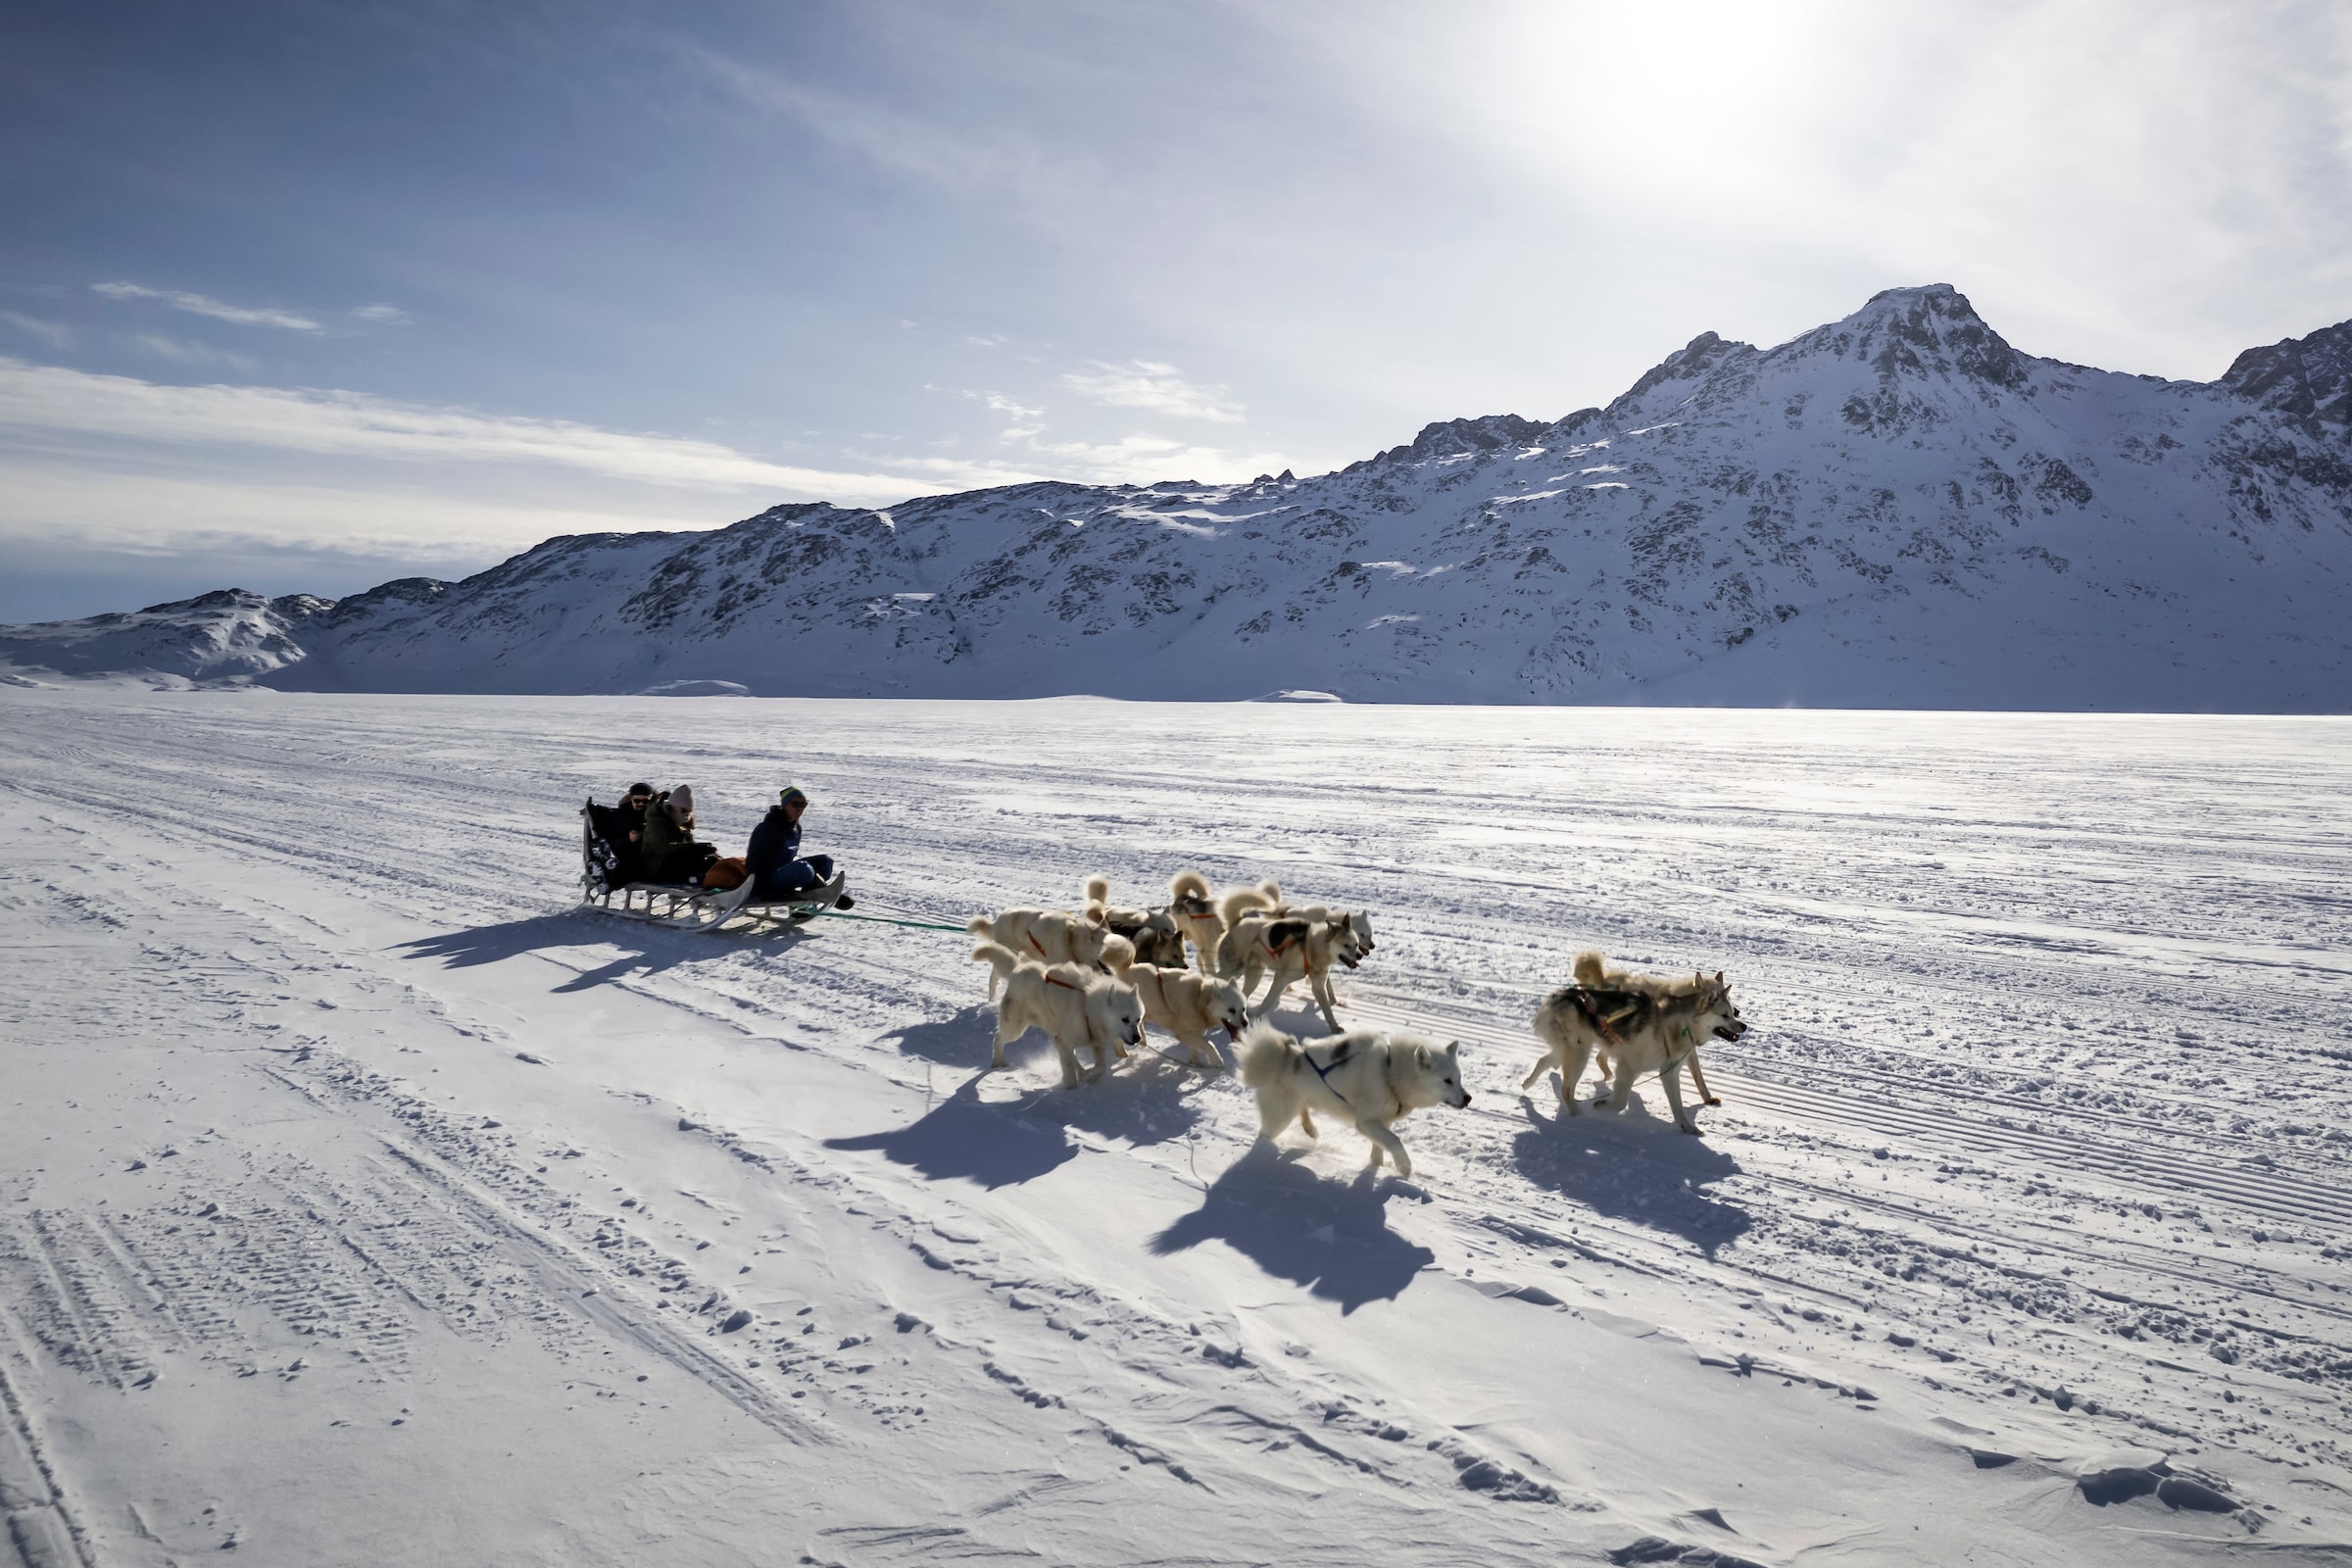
2132 1168
581 1284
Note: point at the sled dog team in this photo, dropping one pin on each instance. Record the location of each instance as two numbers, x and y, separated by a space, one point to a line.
1092 979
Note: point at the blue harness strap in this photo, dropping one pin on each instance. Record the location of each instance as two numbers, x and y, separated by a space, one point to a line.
1324 1073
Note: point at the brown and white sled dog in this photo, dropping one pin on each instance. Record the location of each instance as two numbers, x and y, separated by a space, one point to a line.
1647 1024
1205 921
1366 1077
1592 971
1153 933
1078 1009
1327 940
1189 1006
1044 935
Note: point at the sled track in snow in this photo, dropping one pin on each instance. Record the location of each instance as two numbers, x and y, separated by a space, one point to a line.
2303 1199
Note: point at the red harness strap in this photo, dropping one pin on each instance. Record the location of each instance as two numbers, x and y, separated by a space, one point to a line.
1033 942
1064 984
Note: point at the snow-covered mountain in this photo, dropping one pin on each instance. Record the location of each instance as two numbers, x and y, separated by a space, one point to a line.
1897 509
226 634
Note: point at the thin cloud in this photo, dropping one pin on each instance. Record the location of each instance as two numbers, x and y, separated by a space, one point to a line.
384 315
181 352
1158 388
55 334
206 305
194 513
333 424
998 402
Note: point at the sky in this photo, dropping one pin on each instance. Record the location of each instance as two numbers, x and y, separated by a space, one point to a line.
298 297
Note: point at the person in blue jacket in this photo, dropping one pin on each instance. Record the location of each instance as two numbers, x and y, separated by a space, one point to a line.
779 872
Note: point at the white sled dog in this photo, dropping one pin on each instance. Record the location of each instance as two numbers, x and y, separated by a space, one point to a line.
1203 922
1078 1009
1370 1078
1044 935
1189 1006
1153 933
1648 1024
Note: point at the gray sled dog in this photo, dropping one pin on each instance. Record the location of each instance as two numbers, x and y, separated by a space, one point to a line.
1078 1009
1153 933
1370 1078
1649 1024
1044 935
1189 1006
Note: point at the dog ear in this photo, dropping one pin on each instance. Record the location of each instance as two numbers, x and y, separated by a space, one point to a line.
1454 1047
1719 977
1421 1057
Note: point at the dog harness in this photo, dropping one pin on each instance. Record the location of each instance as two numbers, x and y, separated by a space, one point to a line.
1324 1073
1064 984
1593 1016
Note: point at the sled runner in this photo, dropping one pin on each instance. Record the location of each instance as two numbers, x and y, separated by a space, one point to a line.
685 906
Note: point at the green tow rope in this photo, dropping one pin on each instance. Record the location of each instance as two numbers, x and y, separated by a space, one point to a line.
917 925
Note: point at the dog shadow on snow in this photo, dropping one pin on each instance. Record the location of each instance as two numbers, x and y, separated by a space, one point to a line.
1150 1098
1331 1236
962 1135
1636 1166
645 949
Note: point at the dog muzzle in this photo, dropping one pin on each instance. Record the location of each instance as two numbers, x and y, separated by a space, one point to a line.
1730 1031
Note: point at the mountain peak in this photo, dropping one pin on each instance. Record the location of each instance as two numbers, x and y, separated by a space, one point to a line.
2305 378
1694 360
1929 328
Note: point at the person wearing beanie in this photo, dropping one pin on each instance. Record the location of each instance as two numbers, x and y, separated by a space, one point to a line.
632 812
667 847
779 873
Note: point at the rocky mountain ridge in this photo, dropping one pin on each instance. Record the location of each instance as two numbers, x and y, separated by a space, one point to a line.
1897 509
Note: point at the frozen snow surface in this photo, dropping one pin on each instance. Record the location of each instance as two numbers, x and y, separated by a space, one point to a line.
1896 510
364 1201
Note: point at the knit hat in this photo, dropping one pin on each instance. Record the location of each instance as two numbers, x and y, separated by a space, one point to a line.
636 788
681 802
791 793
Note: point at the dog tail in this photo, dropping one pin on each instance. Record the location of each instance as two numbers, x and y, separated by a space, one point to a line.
1098 888
1118 955
982 927
1591 969
1266 1054
1185 885
1238 901
997 956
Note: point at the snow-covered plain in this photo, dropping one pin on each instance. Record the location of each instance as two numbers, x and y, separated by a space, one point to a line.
362 1201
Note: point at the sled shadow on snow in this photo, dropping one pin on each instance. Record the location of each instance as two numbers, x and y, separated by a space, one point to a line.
962 1136
646 948
1634 1166
1331 1236
1147 1098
